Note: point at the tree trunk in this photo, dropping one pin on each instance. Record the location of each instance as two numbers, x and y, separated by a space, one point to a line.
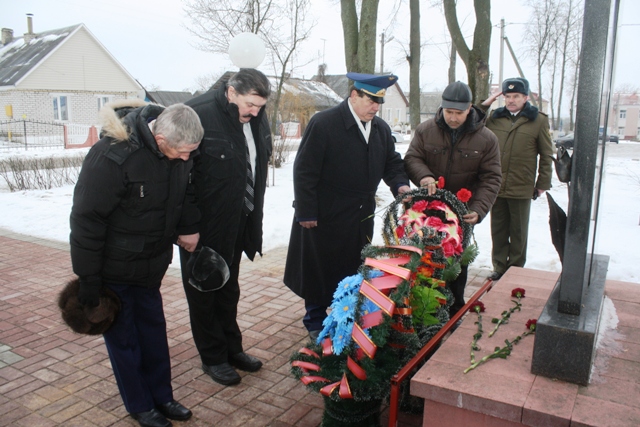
477 59
414 63
359 41
452 63
350 33
367 37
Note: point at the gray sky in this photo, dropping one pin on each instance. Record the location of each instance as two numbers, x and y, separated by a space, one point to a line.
148 38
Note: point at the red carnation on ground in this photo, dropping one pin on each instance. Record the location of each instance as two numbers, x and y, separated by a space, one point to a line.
477 307
532 324
517 293
463 195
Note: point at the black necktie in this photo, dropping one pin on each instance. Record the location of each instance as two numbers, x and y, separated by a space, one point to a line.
248 194
364 124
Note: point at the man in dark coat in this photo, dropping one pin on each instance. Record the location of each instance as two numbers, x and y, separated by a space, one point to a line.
129 206
344 153
230 177
526 152
457 146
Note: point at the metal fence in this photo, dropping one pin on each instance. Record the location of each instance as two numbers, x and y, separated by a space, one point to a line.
25 134
30 134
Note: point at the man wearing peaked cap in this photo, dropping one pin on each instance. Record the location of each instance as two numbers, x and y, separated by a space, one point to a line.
526 151
372 85
457 146
344 153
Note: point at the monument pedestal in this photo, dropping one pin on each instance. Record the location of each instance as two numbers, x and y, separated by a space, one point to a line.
504 392
565 344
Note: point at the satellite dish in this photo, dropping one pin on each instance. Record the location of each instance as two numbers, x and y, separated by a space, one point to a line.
246 50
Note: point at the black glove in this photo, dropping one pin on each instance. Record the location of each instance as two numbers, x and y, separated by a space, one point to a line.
90 290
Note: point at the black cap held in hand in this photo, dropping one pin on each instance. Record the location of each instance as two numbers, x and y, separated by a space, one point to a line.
457 96
208 271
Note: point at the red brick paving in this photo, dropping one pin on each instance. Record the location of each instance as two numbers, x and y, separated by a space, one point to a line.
51 376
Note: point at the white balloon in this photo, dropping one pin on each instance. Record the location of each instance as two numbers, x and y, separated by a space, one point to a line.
246 50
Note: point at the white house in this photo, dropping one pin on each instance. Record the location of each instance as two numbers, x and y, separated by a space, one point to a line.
64 75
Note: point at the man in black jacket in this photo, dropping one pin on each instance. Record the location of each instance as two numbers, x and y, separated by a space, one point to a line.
344 153
130 205
230 177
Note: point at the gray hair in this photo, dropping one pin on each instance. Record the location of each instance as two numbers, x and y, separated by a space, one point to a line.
180 125
249 81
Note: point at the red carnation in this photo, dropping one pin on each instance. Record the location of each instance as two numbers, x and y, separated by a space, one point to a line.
441 182
477 307
463 195
419 206
532 324
517 293
400 232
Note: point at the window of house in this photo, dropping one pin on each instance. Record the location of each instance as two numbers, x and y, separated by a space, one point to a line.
102 100
620 131
623 114
60 107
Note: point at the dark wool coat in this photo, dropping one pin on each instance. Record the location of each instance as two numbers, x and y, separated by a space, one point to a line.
220 174
128 206
471 162
336 174
526 150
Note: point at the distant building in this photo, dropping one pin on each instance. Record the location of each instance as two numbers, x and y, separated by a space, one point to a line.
624 118
166 97
64 75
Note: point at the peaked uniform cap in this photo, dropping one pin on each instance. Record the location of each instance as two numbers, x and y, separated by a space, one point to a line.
373 85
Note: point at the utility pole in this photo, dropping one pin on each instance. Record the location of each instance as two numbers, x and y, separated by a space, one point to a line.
501 69
382 53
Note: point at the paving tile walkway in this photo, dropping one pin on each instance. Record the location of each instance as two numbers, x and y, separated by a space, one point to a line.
50 376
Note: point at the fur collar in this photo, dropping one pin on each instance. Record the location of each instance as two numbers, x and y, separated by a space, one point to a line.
529 111
111 116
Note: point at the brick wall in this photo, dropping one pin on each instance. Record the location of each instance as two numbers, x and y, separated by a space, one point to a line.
38 105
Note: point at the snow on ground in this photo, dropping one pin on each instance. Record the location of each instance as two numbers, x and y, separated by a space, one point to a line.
45 214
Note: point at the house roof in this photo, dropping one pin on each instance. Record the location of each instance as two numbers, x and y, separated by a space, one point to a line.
19 58
322 94
166 98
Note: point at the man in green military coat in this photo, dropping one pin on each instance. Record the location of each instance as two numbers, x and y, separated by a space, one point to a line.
526 156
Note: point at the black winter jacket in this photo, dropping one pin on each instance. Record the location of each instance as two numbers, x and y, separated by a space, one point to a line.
128 205
220 174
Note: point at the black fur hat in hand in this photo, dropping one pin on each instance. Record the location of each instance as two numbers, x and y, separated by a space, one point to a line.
208 271
83 319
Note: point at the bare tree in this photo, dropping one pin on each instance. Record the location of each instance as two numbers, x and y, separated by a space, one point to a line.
476 59
359 38
281 24
206 81
541 33
215 22
414 63
284 46
571 28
